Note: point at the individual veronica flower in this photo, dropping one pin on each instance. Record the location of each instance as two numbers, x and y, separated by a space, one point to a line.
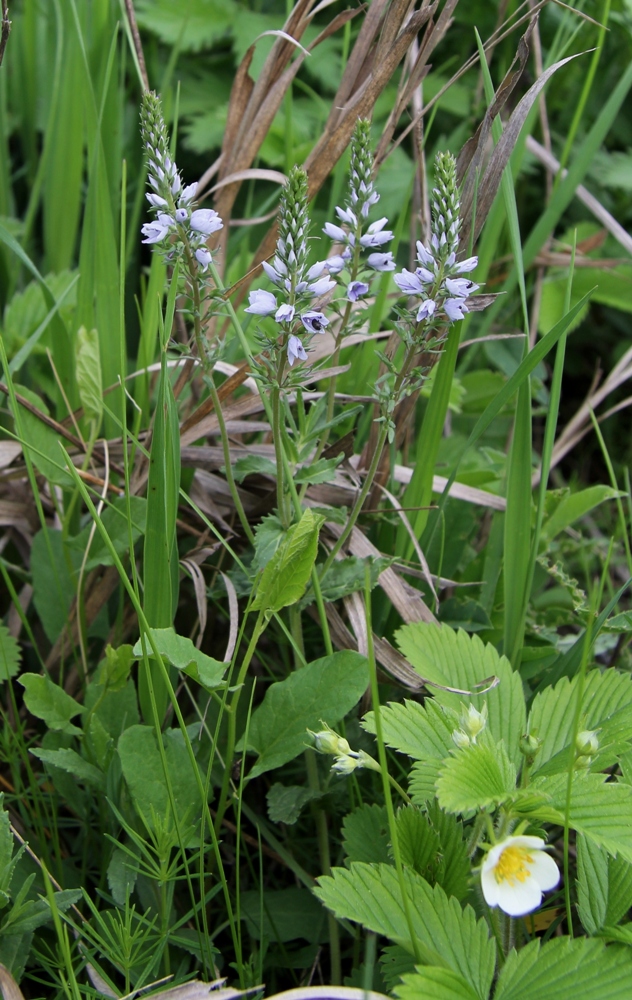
455 309
356 290
426 310
516 872
376 235
206 221
314 322
156 231
204 257
336 263
460 286
381 261
285 313
409 282
295 350
261 303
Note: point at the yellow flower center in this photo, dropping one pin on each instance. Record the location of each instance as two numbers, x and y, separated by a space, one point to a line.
512 865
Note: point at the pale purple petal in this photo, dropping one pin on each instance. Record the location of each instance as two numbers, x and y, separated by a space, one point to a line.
376 239
295 350
314 322
203 257
425 275
154 232
381 261
408 282
188 194
273 275
426 310
455 309
156 200
423 255
460 286
336 264
206 220
261 303
346 215
466 265
356 289
317 269
376 227
181 215
285 313
335 232
322 286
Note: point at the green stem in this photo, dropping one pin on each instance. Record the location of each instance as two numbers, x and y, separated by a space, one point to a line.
232 719
320 819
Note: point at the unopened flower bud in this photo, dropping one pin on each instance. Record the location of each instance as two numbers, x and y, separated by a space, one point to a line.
461 739
473 722
529 746
586 743
328 741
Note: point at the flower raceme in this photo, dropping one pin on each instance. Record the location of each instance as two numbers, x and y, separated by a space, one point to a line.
178 225
515 874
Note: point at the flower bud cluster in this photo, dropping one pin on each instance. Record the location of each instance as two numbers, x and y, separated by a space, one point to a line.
586 746
361 198
178 227
472 724
347 760
288 271
437 281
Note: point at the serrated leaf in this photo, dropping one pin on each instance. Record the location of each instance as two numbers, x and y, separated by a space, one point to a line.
418 842
421 731
422 780
454 868
285 577
285 802
182 654
456 659
446 934
194 23
70 761
434 982
325 690
10 655
606 706
49 702
322 471
394 963
365 834
269 534
348 575
564 969
574 506
476 777
600 809
248 465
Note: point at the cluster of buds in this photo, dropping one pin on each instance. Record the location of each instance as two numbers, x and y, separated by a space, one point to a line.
586 746
347 760
178 227
296 283
438 281
361 197
472 723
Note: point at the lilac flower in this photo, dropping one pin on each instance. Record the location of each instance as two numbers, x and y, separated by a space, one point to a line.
322 286
455 309
376 235
181 215
466 265
347 216
285 313
203 257
314 322
426 310
156 201
188 194
425 275
272 273
424 256
261 303
317 269
295 350
356 290
460 287
156 231
408 282
381 261
335 232
206 221
336 264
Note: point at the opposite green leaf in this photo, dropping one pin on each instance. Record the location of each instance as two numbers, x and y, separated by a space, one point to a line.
285 577
181 653
49 702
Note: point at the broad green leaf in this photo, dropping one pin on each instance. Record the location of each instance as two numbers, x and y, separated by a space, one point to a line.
324 690
52 570
285 802
69 760
114 519
115 708
606 707
566 969
88 372
288 914
285 577
453 870
365 834
421 731
249 464
121 876
322 471
348 575
269 534
114 670
418 842
446 934
395 962
10 655
572 507
422 780
476 777
144 773
600 809
604 886
33 913
181 653
46 700
194 23
41 440
456 659
431 982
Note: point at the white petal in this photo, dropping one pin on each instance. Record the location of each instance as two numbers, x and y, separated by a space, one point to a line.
517 898
544 870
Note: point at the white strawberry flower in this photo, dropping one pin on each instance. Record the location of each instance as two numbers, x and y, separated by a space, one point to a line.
516 872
